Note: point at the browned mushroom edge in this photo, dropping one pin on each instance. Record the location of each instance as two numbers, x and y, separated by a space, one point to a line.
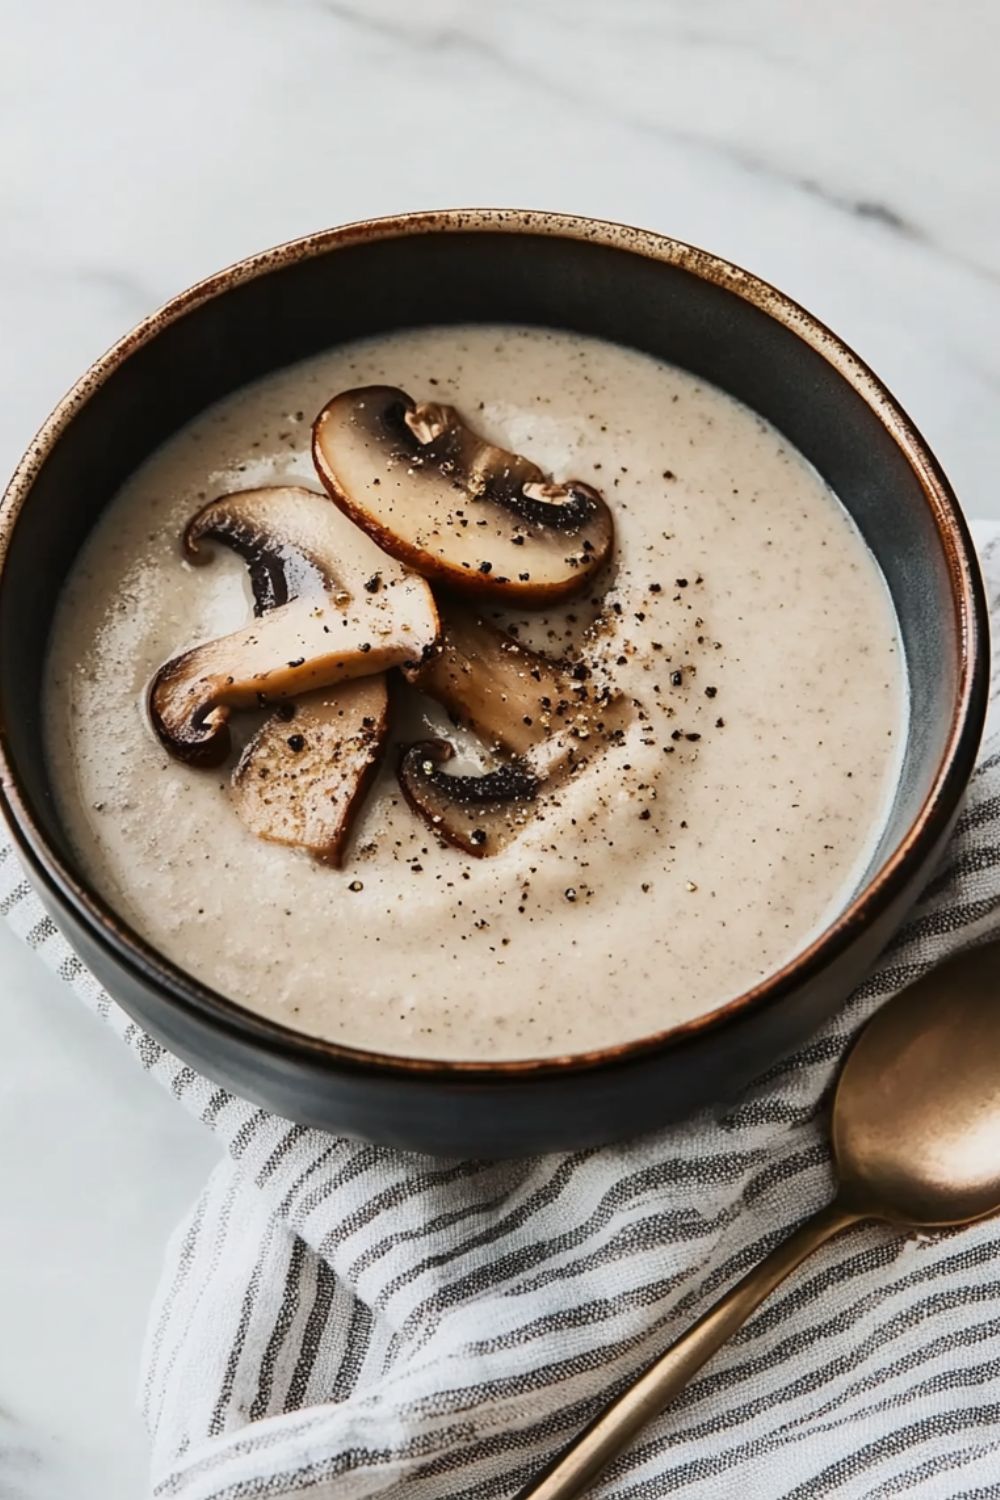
461 511
360 613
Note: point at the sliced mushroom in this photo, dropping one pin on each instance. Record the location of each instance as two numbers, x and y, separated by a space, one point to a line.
356 612
516 699
458 509
549 720
302 778
479 814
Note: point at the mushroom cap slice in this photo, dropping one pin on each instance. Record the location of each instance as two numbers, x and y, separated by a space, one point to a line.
462 511
358 613
516 699
293 542
302 778
479 814
549 718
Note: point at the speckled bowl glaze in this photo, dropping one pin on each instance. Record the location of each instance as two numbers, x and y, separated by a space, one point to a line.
633 287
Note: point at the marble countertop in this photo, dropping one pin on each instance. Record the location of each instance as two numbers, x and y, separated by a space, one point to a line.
848 153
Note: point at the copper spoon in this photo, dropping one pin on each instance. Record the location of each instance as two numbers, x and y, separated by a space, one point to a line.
916 1144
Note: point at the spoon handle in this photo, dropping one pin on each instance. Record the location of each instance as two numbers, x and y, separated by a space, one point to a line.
572 1471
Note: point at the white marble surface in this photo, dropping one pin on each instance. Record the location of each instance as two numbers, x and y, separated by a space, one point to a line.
848 153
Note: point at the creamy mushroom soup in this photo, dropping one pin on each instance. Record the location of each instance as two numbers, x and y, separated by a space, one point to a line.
676 776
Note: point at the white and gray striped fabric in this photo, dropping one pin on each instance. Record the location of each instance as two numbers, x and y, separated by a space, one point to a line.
340 1320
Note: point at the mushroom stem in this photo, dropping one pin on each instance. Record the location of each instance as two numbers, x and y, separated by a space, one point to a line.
302 778
518 700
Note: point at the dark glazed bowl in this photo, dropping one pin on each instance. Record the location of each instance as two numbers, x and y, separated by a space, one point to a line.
618 283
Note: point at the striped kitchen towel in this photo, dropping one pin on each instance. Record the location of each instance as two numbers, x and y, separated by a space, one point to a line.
336 1319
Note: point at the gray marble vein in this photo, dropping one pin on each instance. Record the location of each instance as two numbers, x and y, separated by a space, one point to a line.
543 71
436 39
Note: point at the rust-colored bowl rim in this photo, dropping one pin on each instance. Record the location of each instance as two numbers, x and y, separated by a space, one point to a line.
888 882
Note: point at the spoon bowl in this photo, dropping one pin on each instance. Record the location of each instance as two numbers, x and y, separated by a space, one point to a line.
916 1114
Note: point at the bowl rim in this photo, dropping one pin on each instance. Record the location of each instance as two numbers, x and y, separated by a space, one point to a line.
177 988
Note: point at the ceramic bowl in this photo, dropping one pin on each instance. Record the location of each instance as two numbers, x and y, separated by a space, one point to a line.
633 287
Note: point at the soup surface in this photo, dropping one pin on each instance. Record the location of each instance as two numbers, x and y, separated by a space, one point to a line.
743 618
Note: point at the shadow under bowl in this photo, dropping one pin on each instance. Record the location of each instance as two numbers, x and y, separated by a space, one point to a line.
626 285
